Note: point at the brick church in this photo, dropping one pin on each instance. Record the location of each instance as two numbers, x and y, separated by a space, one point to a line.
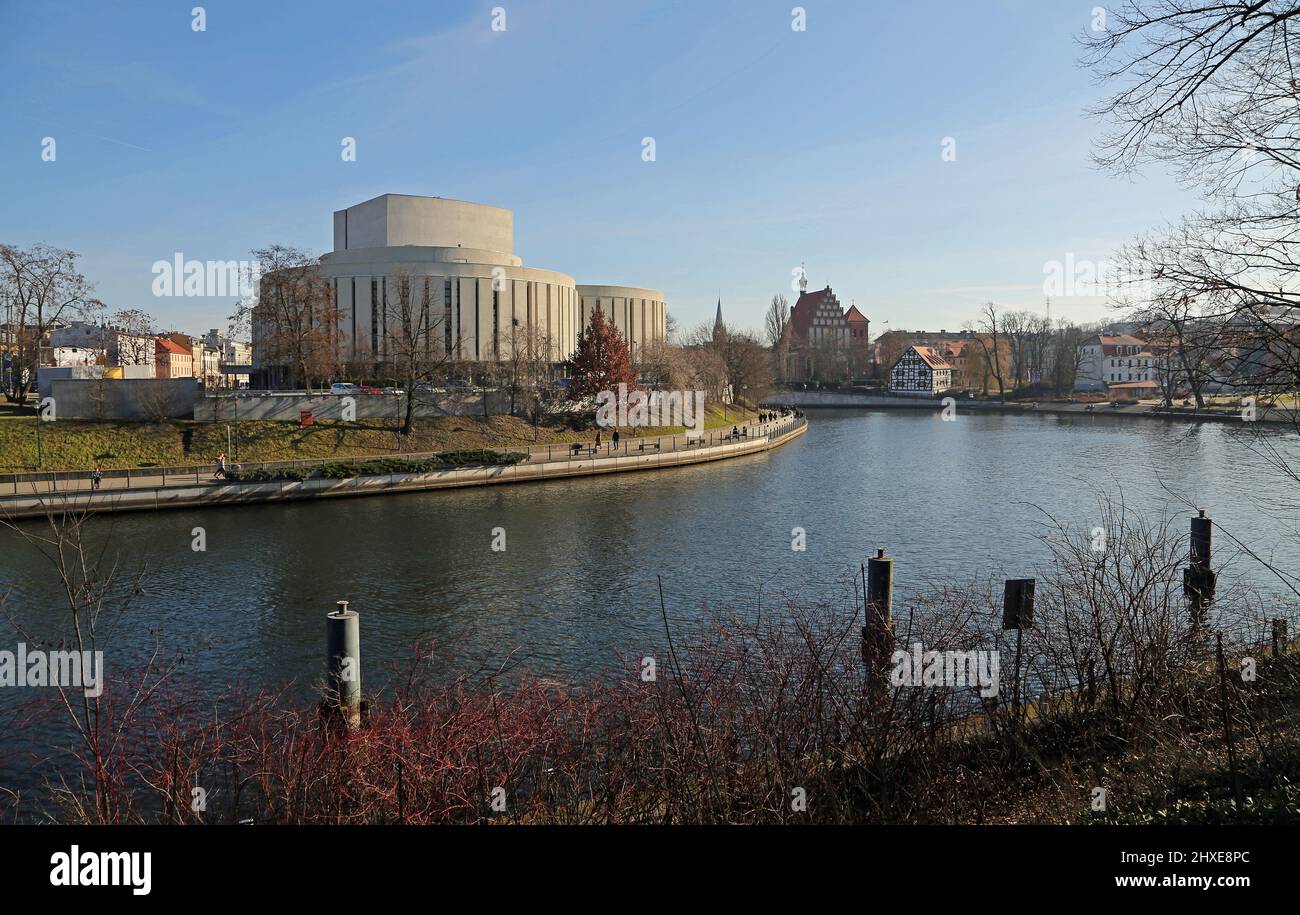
823 341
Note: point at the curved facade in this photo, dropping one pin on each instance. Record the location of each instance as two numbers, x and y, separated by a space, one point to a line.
483 303
639 314
481 310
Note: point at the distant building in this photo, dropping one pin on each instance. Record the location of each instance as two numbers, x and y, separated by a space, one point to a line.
232 357
891 344
1106 359
173 360
957 354
456 262
120 348
74 355
823 341
921 370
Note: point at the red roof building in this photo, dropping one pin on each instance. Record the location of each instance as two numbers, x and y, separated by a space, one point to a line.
823 341
173 360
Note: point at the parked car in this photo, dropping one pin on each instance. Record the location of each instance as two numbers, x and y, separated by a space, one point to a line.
343 387
371 389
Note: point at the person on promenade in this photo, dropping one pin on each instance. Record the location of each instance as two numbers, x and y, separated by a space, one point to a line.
598 438
96 476
615 437
219 469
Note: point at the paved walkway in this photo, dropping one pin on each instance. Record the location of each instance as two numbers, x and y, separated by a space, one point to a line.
158 477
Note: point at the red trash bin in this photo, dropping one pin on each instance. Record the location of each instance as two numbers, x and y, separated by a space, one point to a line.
305 418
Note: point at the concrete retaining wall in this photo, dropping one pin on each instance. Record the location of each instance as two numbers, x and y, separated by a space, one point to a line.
206 495
146 399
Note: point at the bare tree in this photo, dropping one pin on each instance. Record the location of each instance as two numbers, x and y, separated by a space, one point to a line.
525 368
134 340
46 289
991 343
416 347
1210 90
777 327
294 322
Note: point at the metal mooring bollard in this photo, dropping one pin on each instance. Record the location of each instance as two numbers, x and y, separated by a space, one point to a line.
1198 579
878 633
343 664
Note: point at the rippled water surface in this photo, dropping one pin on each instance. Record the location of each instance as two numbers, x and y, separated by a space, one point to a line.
576 585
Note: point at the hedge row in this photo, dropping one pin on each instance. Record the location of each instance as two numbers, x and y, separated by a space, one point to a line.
343 470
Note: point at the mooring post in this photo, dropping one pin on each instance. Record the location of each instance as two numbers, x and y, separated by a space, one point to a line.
1198 579
343 664
878 632
1018 614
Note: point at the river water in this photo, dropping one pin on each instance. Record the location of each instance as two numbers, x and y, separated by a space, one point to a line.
577 584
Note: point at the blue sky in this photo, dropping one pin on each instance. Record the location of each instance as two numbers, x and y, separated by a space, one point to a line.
772 146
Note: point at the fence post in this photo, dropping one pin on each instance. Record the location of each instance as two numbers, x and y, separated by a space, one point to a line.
1017 614
1227 726
343 664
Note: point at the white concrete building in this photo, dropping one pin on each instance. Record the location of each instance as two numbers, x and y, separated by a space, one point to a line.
1106 359
461 256
639 314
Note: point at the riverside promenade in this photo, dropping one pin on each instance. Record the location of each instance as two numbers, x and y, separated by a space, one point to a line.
33 495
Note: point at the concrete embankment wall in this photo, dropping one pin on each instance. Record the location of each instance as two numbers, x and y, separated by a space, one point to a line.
148 399
218 494
836 399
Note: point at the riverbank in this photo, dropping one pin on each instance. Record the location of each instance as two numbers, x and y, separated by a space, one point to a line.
27 445
547 462
806 400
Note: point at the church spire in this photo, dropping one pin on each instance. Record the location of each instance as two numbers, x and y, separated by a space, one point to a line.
719 326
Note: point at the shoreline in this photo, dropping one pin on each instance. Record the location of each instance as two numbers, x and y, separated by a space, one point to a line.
825 400
209 495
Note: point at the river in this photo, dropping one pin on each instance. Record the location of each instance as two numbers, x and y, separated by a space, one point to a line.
576 585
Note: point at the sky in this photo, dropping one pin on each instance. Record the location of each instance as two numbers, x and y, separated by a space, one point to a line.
772 147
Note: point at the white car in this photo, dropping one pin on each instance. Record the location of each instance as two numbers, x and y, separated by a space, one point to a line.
343 387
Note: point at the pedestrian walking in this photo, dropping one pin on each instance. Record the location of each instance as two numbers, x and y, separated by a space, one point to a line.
597 438
96 476
615 437
219 468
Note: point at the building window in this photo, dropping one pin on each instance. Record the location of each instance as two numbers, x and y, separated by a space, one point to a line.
446 316
374 319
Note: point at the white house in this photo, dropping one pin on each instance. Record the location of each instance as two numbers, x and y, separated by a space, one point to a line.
75 355
1105 359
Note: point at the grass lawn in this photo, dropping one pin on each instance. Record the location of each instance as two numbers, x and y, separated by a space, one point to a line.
77 444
